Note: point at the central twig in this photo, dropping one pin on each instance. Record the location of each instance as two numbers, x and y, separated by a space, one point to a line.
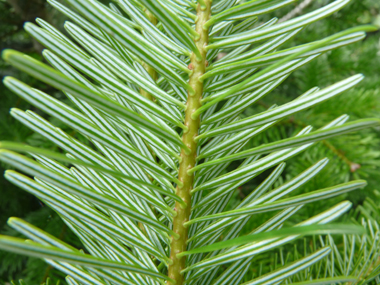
189 159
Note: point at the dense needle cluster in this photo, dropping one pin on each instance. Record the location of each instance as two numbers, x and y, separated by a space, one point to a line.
148 195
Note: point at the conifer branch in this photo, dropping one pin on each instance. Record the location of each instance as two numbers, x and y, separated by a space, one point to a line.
189 158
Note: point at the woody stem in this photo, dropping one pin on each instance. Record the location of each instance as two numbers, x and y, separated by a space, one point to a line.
189 159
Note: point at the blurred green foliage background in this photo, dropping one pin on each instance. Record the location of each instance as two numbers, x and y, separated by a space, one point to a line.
351 156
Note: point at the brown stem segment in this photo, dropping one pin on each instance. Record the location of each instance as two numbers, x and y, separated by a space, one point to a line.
152 72
189 159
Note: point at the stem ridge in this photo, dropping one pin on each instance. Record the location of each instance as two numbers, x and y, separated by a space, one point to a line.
188 158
